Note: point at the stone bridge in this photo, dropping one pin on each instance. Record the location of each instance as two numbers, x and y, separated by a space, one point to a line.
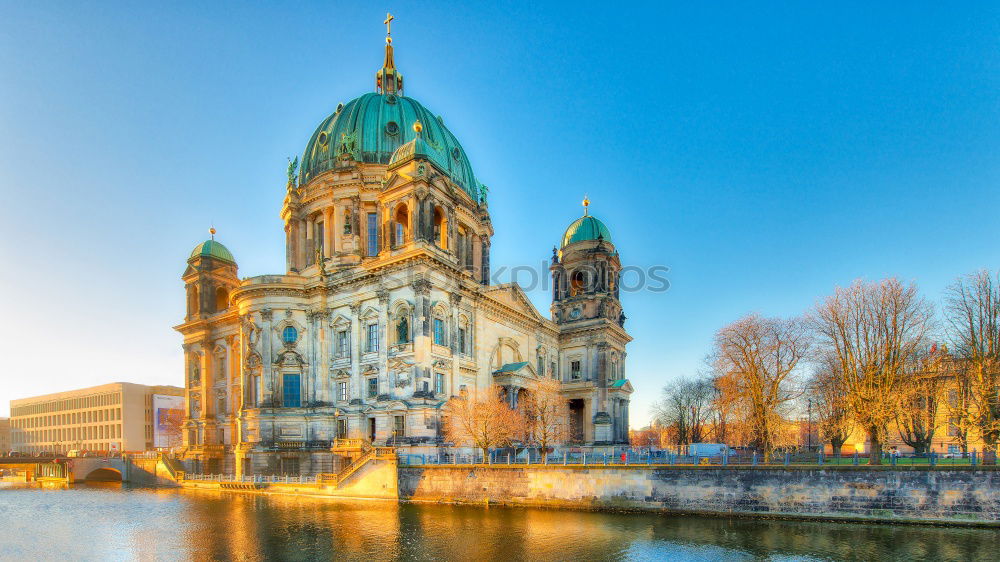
98 469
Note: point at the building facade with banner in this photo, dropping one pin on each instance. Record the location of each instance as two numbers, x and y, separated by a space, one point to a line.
115 417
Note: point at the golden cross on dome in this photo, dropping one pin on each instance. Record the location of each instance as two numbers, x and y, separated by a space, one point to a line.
388 27
212 232
586 205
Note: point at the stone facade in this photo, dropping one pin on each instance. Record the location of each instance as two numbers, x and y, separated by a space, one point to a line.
386 309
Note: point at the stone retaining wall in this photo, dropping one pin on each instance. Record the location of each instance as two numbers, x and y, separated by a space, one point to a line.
879 493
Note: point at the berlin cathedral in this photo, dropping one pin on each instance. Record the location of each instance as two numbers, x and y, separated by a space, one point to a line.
386 309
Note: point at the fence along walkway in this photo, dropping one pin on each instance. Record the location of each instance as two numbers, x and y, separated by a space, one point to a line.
631 458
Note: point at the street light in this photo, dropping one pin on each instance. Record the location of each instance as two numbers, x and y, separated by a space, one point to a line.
810 428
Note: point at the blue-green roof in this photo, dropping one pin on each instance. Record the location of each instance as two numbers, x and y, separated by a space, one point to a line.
511 368
371 127
618 383
212 249
585 228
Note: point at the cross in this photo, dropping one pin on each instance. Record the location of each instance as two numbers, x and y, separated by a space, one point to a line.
388 23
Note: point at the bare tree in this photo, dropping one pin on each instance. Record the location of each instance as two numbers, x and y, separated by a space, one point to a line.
684 409
546 415
482 420
920 397
872 329
757 359
972 307
826 388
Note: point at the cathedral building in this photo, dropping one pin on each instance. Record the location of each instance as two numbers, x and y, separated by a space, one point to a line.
386 309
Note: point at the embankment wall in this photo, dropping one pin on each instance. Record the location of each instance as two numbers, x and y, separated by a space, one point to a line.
873 493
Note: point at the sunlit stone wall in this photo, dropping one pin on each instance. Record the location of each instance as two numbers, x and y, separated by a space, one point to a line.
851 492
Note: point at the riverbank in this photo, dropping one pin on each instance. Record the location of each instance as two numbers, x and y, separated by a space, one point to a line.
960 496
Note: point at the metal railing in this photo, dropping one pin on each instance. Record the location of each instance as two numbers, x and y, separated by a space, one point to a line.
634 458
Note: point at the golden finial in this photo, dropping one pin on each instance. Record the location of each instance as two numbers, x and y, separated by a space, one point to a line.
388 28
418 126
586 205
211 231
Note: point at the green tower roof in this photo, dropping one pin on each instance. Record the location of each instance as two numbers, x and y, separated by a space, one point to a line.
212 249
586 228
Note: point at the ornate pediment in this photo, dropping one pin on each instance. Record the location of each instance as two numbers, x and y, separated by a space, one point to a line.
289 358
512 296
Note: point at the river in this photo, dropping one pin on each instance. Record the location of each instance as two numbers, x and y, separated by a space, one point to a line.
118 523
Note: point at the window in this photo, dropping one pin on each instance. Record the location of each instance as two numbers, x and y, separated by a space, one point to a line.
574 369
440 229
461 341
372 339
372 387
399 426
291 392
372 234
342 391
541 366
343 344
341 429
439 383
552 370
400 225
289 334
439 335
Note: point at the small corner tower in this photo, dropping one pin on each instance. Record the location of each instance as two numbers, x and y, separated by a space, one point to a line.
585 271
592 338
209 279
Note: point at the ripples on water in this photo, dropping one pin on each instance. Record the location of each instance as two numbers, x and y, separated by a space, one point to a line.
112 523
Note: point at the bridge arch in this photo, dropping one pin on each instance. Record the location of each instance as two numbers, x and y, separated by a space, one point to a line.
104 474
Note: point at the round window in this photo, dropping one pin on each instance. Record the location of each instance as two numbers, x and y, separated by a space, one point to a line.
391 98
323 138
391 128
289 334
456 153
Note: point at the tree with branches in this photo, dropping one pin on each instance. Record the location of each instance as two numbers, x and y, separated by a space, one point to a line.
829 396
872 329
684 409
546 415
757 359
920 396
482 420
972 308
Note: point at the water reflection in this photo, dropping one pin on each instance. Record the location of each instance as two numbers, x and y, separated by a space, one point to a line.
111 523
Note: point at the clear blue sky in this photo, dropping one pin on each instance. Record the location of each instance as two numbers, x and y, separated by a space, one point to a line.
765 153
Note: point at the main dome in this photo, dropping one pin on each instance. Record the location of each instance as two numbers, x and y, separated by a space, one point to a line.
371 127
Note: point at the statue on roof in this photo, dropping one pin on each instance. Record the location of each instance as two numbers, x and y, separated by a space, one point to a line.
292 167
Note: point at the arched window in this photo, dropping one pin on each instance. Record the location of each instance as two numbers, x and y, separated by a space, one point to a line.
289 334
577 283
400 226
440 228
221 299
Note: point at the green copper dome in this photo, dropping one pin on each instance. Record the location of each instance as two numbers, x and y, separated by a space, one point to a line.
212 249
586 228
370 128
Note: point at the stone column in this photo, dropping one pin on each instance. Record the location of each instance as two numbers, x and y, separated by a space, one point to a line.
456 352
356 343
383 332
265 391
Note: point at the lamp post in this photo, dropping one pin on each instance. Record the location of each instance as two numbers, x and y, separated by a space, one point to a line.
809 437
